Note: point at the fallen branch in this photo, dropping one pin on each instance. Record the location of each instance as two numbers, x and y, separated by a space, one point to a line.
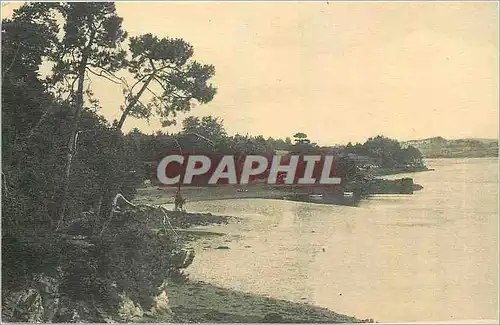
4 182
164 211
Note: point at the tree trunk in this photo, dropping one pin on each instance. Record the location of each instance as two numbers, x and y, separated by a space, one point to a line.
134 101
72 138
40 122
111 190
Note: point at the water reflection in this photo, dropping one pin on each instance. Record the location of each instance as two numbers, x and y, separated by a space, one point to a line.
428 256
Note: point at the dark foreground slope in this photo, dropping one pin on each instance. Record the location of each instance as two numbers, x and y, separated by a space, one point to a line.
206 303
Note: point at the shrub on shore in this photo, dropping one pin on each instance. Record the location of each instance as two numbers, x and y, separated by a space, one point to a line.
95 271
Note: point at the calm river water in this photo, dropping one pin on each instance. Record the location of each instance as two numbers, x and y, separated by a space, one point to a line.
431 256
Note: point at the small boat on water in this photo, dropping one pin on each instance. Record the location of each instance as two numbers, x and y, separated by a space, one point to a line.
348 194
316 196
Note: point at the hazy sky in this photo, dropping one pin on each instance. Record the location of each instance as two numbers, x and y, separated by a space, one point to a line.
336 71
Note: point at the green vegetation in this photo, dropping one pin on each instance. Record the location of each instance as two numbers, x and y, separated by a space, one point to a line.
386 153
73 246
70 252
357 165
301 138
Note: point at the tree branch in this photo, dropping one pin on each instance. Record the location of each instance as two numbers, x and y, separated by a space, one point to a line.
104 76
137 82
161 84
166 219
157 97
43 118
5 184
181 97
134 100
13 60
152 64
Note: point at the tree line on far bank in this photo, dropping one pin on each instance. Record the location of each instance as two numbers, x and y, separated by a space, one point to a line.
207 134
